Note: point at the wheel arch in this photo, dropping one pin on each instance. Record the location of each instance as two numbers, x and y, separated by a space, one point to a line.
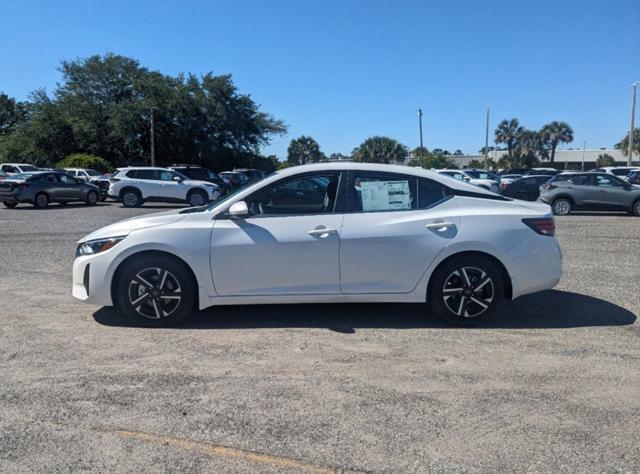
129 188
157 253
564 196
508 289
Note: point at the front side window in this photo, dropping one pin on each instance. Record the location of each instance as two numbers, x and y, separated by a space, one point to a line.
52 178
607 182
167 175
303 195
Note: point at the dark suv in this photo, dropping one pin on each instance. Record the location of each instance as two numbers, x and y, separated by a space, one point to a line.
590 191
203 174
526 188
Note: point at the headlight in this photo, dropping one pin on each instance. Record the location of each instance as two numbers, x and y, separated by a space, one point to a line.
96 246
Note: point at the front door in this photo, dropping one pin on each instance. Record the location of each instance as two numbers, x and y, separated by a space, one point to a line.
287 245
396 226
69 188
611 192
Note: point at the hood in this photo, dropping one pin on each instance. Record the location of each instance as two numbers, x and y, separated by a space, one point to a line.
135 223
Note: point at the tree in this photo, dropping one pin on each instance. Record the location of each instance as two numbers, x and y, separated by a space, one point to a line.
103 104
554 133
303 150
605 159
429 161
12 113
508 132
475 164
379 149
489 149
528 147
83 160
624 143
458 153
338 156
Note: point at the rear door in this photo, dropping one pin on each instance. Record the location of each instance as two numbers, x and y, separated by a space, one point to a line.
394 227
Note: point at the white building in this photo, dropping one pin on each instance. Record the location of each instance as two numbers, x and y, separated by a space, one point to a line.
570 158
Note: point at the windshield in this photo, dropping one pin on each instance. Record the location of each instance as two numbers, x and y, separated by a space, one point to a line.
480 175
25 168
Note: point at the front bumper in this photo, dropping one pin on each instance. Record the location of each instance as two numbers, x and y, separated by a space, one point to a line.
91 277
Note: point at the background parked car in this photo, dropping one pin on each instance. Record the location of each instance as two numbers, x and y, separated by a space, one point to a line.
3 175
253 174
620 171
487 183
42 187
15 168
136 185
508 178
236 178
203 174
634 177
526 188
595 191
93 177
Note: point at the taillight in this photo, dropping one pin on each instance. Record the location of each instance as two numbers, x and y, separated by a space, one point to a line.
504 185
541 225
114 180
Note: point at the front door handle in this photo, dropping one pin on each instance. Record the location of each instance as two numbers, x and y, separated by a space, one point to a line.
440 226
323 233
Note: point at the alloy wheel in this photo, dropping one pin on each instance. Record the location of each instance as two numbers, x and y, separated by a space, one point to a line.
42 200
196 199
130 199
468 292
155 293
562 207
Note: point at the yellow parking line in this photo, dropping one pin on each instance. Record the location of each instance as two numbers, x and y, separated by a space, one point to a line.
223 451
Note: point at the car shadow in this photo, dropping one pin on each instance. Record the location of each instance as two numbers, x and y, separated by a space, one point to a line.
54 206
552 309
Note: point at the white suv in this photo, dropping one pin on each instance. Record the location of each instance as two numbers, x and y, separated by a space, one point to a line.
135 185
484 182
15 168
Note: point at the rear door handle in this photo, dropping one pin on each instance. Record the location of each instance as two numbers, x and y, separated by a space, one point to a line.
322 233
440 226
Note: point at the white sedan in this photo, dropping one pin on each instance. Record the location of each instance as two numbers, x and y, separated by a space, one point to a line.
326 233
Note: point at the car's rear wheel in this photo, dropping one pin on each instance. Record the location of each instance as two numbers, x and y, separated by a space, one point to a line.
131 198
197 198
10 204
636 208
92 198
465 290
561 207
41 201
155 291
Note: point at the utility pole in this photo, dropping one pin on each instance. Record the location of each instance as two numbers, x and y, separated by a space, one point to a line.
153 137
634 86
486 143
420 123
584 148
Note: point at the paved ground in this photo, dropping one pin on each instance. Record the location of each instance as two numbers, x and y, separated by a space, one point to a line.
552 384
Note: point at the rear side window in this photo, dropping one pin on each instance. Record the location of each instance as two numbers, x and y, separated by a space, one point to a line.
621 172
147 174
580 180
131 174
429 193
379 192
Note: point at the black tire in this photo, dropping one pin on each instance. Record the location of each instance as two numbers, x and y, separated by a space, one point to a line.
9 204
41 201
92 198
197 198
562 207
467 307
131 198
635 208
178 288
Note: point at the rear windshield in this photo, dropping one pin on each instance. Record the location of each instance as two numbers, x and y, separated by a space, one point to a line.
28 168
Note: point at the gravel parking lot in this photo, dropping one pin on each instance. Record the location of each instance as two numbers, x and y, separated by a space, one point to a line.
551 384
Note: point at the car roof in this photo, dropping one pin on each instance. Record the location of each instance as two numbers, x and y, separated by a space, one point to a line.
401 169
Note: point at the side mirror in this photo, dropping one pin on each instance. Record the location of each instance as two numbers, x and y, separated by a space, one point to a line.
178 179
239 209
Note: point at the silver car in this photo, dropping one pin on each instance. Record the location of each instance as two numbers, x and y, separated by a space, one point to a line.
590 191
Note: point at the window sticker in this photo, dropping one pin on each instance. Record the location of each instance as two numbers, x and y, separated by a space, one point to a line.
385 195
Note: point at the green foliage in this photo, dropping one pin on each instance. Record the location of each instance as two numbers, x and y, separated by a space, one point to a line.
555 133
83 160
476 164
430 160
605 159
12 113
624 143
103 105
379 149
303 150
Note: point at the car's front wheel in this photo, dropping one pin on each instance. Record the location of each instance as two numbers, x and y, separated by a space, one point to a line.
465 290
197 198
155 291
561 207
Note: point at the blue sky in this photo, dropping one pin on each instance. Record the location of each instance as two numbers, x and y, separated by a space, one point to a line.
343 70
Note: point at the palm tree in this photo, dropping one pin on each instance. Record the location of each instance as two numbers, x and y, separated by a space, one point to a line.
529 145
554 133
380 150
624 143
507 133
303 150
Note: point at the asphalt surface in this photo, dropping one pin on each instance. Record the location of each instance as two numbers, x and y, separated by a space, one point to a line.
551 384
